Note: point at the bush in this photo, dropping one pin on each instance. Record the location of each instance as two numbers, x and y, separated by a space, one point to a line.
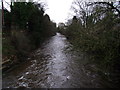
101 41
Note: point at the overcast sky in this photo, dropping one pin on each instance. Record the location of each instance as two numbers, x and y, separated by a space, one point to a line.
58 10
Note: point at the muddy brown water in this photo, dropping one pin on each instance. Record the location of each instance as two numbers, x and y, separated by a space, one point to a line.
54 65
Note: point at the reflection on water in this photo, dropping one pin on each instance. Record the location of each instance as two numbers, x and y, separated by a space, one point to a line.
52 66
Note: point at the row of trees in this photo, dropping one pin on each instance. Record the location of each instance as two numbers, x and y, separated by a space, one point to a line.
26 27
96 30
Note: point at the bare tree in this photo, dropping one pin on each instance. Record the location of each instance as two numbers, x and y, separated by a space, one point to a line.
110 5
82 10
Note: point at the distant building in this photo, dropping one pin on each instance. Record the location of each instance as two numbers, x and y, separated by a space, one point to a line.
61 26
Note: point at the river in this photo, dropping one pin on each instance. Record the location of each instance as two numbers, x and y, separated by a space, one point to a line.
53 65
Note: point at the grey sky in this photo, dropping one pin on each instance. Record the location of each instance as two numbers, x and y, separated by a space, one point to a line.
58 10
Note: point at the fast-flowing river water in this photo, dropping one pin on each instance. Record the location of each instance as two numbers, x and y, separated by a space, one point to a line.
53 65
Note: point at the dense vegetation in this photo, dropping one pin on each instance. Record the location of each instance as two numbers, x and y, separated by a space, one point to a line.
26 27
96 30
